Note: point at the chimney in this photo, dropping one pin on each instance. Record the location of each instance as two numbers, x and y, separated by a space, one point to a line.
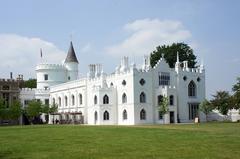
11 75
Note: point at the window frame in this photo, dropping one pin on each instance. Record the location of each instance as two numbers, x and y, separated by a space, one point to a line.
142 97
143 114
105 99
106 115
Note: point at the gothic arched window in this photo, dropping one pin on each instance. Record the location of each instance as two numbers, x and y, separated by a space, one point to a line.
142 97
53 101
142 114
171 100
192 89
106 115
66 100
95 99
80 99
95 117
124 98
105 99
73 100
124 114
59 101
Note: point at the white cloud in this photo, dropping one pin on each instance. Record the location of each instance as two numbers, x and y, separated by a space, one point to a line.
20 54
146 34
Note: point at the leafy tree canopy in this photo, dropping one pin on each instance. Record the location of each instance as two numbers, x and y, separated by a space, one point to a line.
31 83
222 101
236 95
53 108
163 105
170 54
206 107
34 108
15 110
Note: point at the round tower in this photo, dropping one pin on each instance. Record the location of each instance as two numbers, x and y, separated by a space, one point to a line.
71 64
50 74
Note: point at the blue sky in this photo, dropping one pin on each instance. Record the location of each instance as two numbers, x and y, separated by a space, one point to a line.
103 31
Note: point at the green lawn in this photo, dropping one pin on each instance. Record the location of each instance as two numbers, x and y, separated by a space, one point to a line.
214 140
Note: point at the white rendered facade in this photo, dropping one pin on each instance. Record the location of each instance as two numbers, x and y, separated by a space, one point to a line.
128 96
78 96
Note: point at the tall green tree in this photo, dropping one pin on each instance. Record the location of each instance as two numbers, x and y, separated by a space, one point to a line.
170 54
163 106
222 101
53 108
34 109
206 107
31 83
15 110
236 95
4 112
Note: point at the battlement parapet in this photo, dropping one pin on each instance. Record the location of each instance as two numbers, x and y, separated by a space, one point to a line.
50 66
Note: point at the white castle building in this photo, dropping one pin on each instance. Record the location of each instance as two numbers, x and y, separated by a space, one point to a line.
128 96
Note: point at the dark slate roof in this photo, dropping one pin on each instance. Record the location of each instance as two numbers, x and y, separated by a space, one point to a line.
71 56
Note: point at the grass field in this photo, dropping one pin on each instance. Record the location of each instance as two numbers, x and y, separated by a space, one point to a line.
214 140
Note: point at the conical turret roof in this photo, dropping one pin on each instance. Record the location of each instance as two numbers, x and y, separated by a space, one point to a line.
71 56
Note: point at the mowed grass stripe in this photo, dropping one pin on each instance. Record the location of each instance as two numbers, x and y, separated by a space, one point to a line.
213 140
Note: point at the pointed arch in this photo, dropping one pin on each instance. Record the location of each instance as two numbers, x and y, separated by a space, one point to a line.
54 102
59 101
192 89
106 115
171 100
95 117
80 99
95 100
143 114
142 97
124 114
105 99
73 100
66 100
124 98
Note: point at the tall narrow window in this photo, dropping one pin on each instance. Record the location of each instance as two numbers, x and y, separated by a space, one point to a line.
142 114
160 115
73 100
106 115
59 101
192 89
193 110
105 99
80 99
54 102
95 99
45 77
46 101
171 100
124 98
142 97
5 87
124 114
164 78
66 101
95 117
160 98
